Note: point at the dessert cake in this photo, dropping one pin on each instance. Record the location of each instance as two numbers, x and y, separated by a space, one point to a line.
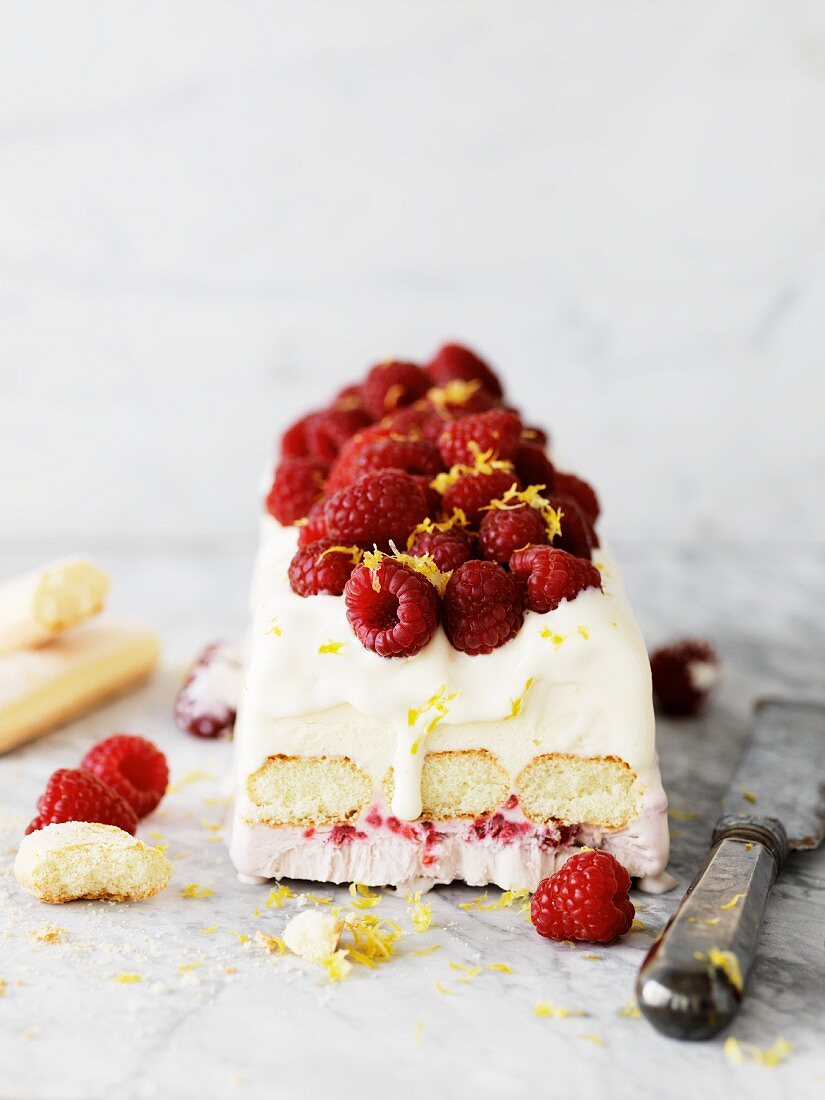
444 679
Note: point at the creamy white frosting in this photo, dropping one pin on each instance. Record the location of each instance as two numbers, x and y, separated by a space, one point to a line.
586 662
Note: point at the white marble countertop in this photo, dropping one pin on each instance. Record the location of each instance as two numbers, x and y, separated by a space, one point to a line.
214 1017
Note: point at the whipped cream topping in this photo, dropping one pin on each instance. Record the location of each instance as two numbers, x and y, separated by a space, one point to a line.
575 680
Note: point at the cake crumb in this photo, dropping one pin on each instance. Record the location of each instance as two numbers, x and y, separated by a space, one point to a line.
48 933
313 935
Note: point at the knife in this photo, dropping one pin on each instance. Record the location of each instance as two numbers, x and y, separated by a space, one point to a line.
693 978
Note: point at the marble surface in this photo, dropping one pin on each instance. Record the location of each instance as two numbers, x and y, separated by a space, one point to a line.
212 212
214 1017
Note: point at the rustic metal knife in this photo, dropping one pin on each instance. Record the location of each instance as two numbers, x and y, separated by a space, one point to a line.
693 978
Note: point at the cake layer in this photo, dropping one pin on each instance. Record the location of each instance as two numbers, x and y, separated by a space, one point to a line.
557 725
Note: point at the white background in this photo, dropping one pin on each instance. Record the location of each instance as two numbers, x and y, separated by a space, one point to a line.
211 214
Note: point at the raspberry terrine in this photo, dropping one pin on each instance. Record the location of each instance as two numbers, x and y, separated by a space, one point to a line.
445 680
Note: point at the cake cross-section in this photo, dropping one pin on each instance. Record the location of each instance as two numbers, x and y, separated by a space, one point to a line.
444 677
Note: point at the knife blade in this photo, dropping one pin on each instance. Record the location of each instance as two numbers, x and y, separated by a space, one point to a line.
693 979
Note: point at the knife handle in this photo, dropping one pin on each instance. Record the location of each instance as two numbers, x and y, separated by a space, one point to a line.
692 980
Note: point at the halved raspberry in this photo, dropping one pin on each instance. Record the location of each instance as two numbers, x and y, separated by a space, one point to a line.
322 567
390 385
684 673
534 467
326 432
378 508
474 491
456 361
581 491
449 549
207 703
412 456
505 530
553 575
578 535
316 525
75 795
297 484
133 767
586 901
393 610
497 431
482 608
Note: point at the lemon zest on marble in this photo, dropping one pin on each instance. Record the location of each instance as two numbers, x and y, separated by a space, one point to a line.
156 836
420 911
547 1009
241 937
517 703
128 979
418 1034
362 897
336 965
630 1011
277 896
270 943
734 901
474 903
423 951
274 628
500 968
749 796
506 901
593 958
681 815
210 931
443 990
317 899
184 968
596 1040
637 925
331 647
584 632
374 939
769 1057
197 775
195 890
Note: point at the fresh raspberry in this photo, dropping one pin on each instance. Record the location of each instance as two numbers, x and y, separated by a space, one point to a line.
534 436
297 484
683 675
577 536
432 498
449 549
75 795
133 767
378 508
417 421
497 431
326 432
581 491
553 575
294 440
505 530
454 361
340 472
316 525
534 467
349 398
482 608
474 491
587 900
400 617
412 456
313 571
206 705
390 385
